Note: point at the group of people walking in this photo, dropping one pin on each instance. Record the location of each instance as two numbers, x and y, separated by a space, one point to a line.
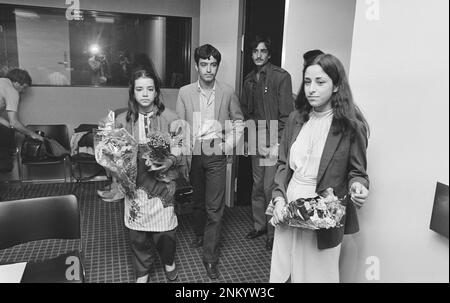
303 147
320 142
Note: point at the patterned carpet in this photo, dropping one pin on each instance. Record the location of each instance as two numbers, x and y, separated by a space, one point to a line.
106 243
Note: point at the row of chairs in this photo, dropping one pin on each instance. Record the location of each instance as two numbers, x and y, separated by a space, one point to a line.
59 133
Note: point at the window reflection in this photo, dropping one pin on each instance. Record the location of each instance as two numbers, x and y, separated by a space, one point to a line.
102 49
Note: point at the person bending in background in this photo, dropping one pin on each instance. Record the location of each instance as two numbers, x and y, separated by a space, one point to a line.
323 146
11 87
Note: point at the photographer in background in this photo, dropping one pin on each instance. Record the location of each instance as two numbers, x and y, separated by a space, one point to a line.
99 69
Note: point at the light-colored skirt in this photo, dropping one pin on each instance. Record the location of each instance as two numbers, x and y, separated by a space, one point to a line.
295 253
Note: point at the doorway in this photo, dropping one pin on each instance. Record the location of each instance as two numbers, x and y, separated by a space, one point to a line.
261 17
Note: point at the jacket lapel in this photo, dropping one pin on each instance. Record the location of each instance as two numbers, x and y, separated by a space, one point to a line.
218 98
195 98
297 127
333 139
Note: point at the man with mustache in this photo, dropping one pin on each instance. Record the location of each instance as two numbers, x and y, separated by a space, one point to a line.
267 96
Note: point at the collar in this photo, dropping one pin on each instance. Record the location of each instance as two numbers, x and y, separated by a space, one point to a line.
150 114
264 69
200 89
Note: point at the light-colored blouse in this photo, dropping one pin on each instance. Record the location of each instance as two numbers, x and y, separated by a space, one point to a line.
307 149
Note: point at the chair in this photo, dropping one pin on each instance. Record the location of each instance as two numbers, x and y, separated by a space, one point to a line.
58 132
26 220
8 150
83 142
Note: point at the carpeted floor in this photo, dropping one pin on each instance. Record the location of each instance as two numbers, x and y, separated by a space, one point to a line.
106 244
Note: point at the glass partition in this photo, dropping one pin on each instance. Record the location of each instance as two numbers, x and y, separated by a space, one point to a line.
98 49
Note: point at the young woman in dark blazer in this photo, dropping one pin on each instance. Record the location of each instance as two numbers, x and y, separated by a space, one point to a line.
323 146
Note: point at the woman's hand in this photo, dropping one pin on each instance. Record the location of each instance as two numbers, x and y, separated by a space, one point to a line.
280 211
359 194
161 166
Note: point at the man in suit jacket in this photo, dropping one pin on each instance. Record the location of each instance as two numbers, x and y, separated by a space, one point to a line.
211 109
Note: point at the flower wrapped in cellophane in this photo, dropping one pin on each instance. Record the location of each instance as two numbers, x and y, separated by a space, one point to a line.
157 148
313 213
160 146
116 150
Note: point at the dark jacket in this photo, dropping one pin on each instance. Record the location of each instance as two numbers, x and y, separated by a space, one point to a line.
343 162
278 99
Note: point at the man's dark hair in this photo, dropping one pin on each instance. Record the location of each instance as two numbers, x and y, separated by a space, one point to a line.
262 39
20 76
309 56
205 52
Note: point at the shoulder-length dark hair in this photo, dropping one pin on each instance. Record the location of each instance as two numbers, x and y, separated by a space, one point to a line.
345 111
133 106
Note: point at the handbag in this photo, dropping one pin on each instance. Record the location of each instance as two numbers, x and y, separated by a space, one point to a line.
54 149
32 149
35 150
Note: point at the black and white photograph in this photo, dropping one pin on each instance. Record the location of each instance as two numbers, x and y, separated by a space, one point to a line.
224 149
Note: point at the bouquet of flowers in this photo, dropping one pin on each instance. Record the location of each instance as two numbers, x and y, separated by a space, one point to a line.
313 213
116 150
159 147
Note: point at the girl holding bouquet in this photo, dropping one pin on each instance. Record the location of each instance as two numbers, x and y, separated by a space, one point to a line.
323 146
150 215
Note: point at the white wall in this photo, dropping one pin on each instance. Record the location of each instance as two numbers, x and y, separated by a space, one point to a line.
316 24
219 22
399 75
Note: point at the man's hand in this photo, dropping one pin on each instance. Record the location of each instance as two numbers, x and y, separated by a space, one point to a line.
226 148
359 194
184 171
36 137
273 152
263 151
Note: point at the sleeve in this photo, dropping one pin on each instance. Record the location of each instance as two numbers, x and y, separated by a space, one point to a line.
119 121
282 166
181 107
286 103
358 157
235 109
12 100
235 134
244 102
